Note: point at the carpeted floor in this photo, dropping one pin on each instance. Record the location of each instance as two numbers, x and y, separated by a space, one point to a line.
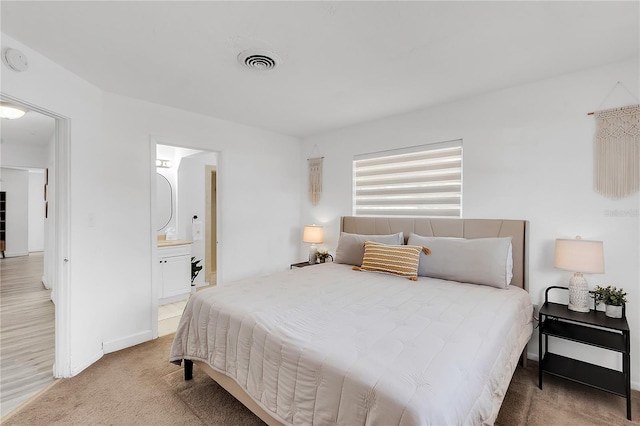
562 403
138 386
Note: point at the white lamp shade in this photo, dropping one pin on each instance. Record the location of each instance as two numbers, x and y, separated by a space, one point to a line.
313 234
579 256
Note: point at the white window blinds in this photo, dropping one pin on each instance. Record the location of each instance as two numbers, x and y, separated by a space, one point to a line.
417 181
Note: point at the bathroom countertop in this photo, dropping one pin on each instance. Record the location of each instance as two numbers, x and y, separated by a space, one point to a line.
171 243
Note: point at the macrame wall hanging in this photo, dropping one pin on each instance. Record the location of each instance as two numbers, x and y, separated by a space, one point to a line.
617 151
315 177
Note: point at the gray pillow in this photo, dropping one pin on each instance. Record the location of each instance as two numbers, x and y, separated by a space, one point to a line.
350 249
486 261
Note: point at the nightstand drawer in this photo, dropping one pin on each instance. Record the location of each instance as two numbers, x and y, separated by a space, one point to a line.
587 335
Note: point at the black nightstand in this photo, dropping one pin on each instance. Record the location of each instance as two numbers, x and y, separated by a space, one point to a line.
301 264
306 263
590 328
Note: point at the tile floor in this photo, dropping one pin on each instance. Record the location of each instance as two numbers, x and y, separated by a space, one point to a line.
169 317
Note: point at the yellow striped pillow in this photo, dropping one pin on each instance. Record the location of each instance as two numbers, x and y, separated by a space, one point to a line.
397 260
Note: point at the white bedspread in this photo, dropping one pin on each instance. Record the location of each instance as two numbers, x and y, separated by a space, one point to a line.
326 345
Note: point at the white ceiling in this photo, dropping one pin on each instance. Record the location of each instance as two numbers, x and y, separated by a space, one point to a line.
32 129
343 62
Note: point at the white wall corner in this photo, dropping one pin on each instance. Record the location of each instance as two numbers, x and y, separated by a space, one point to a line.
79 368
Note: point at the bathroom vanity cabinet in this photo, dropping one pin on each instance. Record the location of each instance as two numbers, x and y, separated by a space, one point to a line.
174 271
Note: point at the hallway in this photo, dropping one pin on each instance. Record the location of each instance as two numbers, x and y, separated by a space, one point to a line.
27 331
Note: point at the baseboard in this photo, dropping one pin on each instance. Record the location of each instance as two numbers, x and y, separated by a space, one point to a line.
45 283
81 367
532 356
16 253
178 298
125 342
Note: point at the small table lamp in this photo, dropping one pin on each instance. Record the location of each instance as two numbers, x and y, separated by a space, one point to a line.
580 256
313 234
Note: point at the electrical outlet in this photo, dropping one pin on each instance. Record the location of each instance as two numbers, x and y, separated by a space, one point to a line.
536 311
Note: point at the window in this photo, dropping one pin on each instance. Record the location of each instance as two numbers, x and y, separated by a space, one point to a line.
425 180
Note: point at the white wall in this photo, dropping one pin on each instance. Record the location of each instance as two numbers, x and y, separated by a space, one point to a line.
16 184
21 155
192 201
250 177
110 258
174 155
25 216
48 275
36 208
527 155
55 89
35 159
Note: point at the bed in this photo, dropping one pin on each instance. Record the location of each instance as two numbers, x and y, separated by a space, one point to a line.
332 345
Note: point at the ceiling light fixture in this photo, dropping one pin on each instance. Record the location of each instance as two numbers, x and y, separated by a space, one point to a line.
259 59
164 164
10 111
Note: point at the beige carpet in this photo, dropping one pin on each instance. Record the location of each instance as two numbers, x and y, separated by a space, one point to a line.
137 386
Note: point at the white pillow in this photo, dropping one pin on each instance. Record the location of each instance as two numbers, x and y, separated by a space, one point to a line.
486 261
350 248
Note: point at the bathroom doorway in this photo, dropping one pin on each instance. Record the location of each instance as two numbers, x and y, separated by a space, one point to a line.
184 208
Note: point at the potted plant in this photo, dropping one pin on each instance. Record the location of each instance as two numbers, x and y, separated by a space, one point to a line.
322 255
612 298
195 269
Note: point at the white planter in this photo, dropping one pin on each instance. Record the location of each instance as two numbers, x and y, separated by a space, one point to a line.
613 311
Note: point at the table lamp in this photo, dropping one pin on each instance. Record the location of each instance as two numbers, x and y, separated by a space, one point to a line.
313 234
579 256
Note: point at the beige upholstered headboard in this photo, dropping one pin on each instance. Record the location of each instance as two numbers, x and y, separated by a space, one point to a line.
465 228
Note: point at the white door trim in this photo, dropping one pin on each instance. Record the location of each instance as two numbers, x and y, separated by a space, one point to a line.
155 291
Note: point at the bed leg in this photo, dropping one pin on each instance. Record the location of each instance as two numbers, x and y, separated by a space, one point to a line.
188 369
523 358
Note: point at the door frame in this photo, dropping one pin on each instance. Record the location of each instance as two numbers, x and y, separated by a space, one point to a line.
61 288
155 140
211 187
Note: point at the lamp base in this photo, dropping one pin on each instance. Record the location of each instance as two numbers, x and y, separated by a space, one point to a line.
313 254
578 293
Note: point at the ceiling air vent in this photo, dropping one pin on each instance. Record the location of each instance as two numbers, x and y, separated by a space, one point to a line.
259 59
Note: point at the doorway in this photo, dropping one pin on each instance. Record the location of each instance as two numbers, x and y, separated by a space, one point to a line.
35 169
184 208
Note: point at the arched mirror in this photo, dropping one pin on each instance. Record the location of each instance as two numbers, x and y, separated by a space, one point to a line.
164 202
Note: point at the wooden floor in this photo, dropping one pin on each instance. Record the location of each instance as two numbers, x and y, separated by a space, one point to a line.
27 339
